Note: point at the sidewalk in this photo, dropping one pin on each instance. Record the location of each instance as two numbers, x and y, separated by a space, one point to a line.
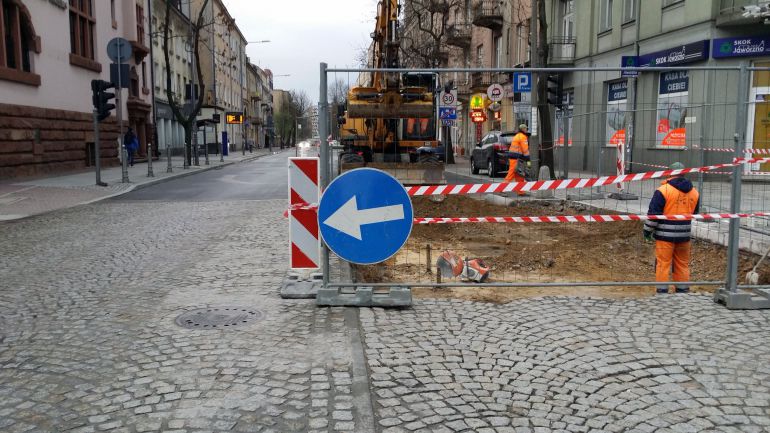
20 198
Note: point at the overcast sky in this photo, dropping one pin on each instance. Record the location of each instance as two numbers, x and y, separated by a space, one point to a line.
304 33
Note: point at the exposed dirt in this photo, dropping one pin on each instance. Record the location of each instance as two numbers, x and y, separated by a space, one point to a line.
540 252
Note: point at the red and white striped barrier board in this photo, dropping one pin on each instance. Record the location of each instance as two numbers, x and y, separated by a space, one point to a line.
544 185
303 219
587 218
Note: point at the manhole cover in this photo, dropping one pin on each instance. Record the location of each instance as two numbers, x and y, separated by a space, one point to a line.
218 317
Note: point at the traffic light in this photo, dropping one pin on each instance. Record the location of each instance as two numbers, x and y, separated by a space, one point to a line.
555 90
101 98
341 114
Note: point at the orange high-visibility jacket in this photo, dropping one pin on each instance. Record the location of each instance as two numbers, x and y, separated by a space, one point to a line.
520 147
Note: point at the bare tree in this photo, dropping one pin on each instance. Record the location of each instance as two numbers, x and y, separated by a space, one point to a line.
300 104
426 23
186 118
544 110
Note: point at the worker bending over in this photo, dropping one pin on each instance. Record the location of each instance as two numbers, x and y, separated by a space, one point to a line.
676 196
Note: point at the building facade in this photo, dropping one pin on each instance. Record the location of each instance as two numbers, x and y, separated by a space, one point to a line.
660 117
51 52
223 64
170 131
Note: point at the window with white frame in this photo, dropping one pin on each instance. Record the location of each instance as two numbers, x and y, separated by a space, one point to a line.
606 15
629 10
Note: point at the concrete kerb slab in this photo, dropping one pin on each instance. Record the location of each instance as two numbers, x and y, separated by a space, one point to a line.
301 284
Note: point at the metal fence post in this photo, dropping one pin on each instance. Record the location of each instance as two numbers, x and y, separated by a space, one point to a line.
324 154
729 294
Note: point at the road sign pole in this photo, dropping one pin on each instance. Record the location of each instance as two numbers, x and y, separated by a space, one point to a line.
119 98
97 157
322 132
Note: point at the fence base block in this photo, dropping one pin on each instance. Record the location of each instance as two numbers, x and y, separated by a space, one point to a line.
365 297
301 284
741 300
623 196
584 196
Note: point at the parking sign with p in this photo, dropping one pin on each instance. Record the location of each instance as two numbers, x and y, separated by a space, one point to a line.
522 82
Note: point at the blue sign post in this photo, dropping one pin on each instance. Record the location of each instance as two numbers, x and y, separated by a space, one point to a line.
365 216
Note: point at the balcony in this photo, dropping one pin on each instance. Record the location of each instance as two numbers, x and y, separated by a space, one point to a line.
489 14
561 51
459 35
731 12
480 81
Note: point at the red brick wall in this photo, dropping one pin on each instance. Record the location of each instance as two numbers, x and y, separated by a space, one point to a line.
39 141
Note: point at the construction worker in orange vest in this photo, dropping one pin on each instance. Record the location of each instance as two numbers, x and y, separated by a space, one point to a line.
519 151
676 196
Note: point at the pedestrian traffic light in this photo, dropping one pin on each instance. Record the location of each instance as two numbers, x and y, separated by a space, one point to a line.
101 98
555 90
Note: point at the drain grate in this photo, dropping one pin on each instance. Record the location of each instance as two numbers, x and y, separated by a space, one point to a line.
218 317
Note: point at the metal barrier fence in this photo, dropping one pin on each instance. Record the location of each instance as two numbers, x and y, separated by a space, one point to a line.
612 124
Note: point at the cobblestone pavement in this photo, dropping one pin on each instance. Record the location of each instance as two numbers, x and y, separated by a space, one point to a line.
88 299
675 363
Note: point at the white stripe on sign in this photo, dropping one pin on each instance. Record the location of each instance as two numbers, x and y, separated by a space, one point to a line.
305 241
302 185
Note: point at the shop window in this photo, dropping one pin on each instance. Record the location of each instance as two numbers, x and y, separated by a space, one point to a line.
617 105
673 94
18 41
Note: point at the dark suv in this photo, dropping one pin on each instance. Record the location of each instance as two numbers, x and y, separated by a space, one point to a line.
491 153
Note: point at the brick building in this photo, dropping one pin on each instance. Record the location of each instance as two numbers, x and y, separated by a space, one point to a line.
52 52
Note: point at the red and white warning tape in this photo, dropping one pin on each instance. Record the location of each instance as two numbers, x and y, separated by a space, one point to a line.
665 166
587 218
544 185
725 149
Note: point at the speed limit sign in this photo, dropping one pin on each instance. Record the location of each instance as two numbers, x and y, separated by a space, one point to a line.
449 99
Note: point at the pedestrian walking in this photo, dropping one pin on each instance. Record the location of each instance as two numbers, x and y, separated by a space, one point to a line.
518 152
131 142
676 196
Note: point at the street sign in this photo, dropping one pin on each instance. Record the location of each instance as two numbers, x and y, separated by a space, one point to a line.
629 62
447 123
477 101
234 118
495 92
522 82
445 113
495 107
119 50
365 216
448 99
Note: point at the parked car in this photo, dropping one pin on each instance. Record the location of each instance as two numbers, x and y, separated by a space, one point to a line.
427 153
491 153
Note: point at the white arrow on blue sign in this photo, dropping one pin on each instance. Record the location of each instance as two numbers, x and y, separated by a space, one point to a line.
365 216
447 113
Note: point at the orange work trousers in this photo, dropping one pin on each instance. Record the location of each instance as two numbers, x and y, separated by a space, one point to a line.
670 255
512 175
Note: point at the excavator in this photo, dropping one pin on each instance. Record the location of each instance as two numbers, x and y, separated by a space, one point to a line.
390 123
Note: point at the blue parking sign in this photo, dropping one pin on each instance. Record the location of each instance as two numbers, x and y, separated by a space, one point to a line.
522 82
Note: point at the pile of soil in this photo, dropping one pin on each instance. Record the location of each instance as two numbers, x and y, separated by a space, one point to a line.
539 252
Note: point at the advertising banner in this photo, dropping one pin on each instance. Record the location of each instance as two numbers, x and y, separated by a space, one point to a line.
617 101
672 109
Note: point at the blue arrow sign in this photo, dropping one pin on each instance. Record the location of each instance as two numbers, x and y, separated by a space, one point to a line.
365 216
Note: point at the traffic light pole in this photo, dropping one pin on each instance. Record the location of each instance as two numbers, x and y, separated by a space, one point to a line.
97 157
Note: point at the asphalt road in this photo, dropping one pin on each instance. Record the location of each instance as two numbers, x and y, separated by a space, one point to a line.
265 178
